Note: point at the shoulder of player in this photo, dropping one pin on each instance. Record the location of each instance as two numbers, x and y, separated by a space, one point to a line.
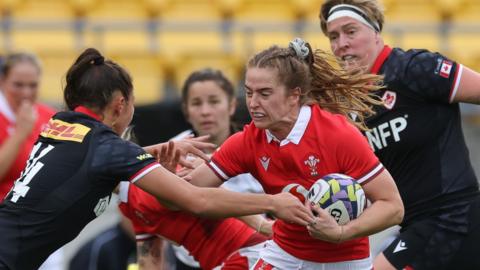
403 66
399 53
333 126
400 57
328 120
248 131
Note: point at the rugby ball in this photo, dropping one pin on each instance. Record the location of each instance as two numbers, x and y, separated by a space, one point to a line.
340 195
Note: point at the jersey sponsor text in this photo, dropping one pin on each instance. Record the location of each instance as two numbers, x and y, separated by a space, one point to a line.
377 136
60 130
144 156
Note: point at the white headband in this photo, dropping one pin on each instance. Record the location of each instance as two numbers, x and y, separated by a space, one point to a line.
354 12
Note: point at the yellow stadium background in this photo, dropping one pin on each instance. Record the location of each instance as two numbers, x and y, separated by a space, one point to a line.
161 41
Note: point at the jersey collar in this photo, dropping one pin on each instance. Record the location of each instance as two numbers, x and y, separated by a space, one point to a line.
5 108
87 111
381 59
298 130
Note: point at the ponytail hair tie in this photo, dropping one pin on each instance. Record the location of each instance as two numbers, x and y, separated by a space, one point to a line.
97 61
300 47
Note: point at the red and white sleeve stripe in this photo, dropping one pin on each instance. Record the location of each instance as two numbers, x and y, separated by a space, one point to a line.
371 174
144 171
218 171
456 82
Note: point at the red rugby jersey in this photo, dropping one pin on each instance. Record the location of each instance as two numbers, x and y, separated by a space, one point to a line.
320 143
210 241
7 127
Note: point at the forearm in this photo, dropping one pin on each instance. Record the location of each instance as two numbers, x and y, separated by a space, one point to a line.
216 202
379 216
9 151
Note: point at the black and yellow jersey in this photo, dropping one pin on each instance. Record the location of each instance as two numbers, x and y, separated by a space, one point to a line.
67 182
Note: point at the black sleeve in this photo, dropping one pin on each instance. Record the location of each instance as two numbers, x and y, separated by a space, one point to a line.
429 75
120 160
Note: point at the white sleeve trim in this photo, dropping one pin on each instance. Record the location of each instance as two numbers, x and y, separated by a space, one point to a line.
143 173
219 171
457 82
371 173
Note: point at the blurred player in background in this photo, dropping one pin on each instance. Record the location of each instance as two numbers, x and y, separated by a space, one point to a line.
213 242
296 139
21 117
208 103
79 159
417 135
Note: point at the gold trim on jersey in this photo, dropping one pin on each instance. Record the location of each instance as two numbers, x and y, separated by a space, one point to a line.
60 130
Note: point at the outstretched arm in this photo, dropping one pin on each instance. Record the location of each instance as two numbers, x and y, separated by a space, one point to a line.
216 202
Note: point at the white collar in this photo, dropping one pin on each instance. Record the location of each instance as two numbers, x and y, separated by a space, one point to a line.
298 129
5 108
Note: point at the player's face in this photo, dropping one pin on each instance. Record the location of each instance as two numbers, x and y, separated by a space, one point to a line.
208 109
354 43
268 103
21 83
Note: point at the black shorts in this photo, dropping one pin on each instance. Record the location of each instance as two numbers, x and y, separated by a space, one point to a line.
448 241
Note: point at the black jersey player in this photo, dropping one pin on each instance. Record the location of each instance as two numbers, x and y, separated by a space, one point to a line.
417 135
78 160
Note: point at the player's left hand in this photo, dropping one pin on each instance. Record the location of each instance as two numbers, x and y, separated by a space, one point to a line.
289 208
168 156
324 227
193 146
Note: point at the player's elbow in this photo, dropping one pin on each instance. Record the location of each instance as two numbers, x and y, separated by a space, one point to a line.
398 211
